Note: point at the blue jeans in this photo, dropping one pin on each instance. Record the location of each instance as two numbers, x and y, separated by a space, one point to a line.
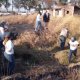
38 26
62 41
9 59
72 52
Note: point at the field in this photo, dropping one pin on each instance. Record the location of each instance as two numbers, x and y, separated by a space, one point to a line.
39 56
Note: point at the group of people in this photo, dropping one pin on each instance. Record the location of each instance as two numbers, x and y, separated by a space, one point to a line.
73 43
45 18
6 49
7 46
40 19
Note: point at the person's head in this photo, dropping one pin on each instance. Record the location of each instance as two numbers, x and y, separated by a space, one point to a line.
73 39
2 23
6 29
7 36
65 28
46 11
39 13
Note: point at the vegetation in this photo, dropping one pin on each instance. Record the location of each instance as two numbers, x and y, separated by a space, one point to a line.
40 55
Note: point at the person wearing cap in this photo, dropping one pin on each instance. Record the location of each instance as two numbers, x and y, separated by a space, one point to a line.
62 38
9 54
73 47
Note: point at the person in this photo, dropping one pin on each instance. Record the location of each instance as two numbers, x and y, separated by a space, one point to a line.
73 47
8 54
13 33
3 28
4 24
2 32
46 18
38 26
62 38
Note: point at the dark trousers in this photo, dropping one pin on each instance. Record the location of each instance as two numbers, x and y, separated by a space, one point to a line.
1 56
62 42
72 52
9 63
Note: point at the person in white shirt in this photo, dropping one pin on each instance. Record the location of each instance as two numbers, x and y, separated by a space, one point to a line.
38 26
9 53
64 32
73 47
62 38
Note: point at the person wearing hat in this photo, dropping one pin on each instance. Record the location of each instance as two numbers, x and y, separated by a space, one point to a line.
8 53
62 38
73 47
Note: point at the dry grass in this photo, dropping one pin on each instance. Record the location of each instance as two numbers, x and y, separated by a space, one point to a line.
62 57
47 39
19 19
72 22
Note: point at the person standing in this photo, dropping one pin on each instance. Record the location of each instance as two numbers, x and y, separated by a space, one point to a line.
3 29
8 54
38 26
73 47
62 38
2 32
46 18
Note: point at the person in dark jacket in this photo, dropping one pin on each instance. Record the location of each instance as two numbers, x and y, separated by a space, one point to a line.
46 18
